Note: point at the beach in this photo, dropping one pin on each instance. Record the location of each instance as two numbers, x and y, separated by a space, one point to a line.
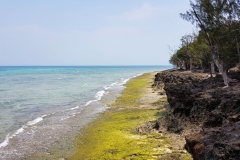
119 132
154 115
45 108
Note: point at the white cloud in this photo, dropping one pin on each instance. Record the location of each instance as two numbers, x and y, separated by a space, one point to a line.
144 12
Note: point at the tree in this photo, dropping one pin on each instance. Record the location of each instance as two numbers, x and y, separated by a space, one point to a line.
177 59
193 53
215 19
187 40
200 51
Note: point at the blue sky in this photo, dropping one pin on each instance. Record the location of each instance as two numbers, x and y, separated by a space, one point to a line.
96 32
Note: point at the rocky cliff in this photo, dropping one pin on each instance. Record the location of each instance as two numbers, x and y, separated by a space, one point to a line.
204 111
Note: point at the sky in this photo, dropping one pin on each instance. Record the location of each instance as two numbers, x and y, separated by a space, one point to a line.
90 32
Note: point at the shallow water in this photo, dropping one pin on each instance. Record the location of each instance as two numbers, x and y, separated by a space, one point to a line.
40 104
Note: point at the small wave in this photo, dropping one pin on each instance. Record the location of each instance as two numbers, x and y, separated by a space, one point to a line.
115 83
84 85
89 102
110 86
125 81
70 116
5 142
74 108
35 121
106 87
99 95
20 130
7 102
8 137
64 118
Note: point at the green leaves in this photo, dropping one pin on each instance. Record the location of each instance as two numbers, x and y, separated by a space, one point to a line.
194 51
219 34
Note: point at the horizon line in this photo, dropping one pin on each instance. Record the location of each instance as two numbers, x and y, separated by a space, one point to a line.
82 65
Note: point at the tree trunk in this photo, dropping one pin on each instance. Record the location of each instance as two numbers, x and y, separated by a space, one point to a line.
226 79
191 66
210 71
212 68
178 66
223 71
203 67
184 65
221 68
216 61
238 49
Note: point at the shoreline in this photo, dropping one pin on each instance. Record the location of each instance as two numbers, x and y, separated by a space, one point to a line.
23 148
121 127
38 138
63 147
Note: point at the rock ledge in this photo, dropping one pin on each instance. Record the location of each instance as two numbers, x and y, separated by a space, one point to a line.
204 111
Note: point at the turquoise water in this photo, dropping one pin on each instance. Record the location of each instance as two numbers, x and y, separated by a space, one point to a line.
35 98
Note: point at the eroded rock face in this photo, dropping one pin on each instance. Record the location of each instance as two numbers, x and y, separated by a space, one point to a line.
215 143
196 99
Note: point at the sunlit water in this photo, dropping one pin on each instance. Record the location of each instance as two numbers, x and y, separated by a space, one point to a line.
39 104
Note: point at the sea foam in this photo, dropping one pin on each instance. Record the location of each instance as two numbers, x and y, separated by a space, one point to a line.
99 95
39 119
125 81
74 108
89 102
5 142
20 130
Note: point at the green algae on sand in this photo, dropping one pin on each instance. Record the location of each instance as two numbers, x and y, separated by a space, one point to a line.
112 135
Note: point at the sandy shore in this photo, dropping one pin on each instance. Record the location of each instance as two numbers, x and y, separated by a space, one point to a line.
121 132
117 134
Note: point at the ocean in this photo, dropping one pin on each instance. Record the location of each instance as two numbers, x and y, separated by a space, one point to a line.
41 104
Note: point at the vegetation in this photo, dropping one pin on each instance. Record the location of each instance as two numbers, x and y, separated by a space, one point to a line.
192 54
133 91
113 134
217 41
